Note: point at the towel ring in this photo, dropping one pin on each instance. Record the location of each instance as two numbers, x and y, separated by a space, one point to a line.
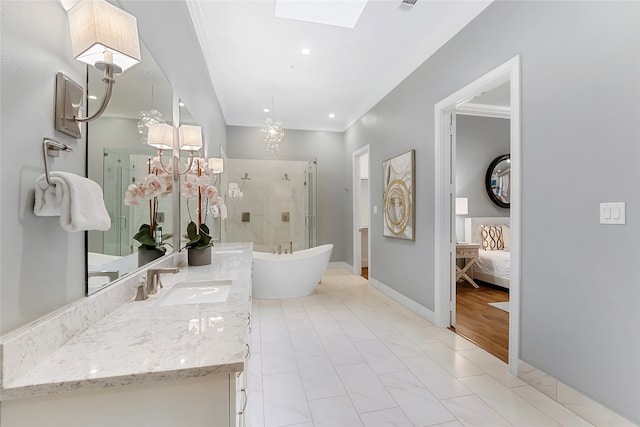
51 148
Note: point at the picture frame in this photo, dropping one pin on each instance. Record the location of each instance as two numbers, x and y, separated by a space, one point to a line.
399 210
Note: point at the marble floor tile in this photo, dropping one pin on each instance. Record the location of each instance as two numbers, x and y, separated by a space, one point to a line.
319 378
472 411
493 366
254 415
341 350
400 345
356 330
508 404
334 412
306 344
420 405
254 372
349 355
284 398
278 356
451 360
379 357
440 382
393 417
550 407
364 388
588 409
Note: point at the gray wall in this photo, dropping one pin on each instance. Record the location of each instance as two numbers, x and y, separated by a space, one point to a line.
334 203
43 266
580 108
479 140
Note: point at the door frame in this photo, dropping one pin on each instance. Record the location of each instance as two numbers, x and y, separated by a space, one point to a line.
444 271
357 248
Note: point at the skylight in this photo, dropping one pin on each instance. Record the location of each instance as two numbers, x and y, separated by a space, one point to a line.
338 13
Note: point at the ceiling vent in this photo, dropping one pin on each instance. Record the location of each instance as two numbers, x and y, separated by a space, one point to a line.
407 4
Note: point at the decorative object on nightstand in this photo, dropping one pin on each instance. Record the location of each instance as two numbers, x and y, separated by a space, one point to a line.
469 252
462 208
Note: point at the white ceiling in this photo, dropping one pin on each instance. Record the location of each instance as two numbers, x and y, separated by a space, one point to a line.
254 56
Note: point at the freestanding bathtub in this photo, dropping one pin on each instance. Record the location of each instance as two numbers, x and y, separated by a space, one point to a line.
289 275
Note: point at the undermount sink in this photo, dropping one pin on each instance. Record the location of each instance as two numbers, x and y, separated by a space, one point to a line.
198 292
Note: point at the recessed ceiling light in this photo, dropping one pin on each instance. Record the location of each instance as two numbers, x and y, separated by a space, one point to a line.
306 51
93 97
266 110
182 104
331 116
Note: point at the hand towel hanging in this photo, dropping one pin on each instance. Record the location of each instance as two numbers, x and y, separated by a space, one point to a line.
77 200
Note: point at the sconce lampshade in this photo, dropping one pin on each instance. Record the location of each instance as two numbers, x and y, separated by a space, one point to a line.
160 136
216 165
462 206
101 32
190 138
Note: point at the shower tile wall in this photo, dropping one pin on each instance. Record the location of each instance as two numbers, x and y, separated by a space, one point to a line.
266 195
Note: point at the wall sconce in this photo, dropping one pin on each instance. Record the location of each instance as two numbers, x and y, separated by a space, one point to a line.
216 165
105 37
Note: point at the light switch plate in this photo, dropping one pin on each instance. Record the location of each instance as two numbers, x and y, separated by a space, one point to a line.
612 213
375 209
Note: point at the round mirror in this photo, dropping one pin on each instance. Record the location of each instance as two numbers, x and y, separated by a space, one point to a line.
498 180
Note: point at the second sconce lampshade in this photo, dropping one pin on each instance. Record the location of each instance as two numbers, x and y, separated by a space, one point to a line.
190 137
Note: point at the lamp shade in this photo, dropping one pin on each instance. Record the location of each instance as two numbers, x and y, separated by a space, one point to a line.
101 32
190 138
160 136
462 206
216 164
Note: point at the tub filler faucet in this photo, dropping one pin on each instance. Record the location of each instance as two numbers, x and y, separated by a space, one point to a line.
290 246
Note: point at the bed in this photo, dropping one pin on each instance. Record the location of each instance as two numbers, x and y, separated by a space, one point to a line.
492 266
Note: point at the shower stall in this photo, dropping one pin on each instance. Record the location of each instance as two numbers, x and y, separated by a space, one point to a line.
271 203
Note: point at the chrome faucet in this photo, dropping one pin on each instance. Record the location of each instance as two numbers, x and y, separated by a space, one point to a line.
153 282
290 246
279 249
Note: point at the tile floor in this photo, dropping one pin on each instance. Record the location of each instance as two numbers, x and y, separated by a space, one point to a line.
350 356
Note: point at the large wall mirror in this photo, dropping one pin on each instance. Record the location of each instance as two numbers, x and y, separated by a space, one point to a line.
498 181
118 157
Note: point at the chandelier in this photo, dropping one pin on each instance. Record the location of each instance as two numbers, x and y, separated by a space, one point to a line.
273 133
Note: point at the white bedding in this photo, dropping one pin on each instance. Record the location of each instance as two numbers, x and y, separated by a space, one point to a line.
494 263
492 266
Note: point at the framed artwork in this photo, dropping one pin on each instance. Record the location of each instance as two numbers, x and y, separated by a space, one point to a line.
399 194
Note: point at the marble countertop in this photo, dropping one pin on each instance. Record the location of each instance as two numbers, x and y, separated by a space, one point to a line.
145 341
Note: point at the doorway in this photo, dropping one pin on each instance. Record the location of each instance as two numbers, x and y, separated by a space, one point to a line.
445 164
361 203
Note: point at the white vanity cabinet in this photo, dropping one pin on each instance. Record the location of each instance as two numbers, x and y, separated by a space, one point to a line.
148 364
198 402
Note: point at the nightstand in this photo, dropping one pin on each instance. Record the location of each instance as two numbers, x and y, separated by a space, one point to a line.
469 252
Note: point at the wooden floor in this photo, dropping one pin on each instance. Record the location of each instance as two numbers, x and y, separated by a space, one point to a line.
365 272
481 323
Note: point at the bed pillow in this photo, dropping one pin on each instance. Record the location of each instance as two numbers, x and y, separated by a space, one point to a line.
492 239
506 237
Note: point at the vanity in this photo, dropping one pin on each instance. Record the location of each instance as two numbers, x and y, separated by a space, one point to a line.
177 358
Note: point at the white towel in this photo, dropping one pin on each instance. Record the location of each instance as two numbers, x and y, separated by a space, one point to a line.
78 200
223 211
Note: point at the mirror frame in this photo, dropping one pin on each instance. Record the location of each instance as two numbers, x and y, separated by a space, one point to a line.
487 181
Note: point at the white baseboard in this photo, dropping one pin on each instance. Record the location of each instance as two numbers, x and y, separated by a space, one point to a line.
420 310
341 264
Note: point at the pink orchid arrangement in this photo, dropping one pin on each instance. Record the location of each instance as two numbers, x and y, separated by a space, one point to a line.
158 183
197 184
